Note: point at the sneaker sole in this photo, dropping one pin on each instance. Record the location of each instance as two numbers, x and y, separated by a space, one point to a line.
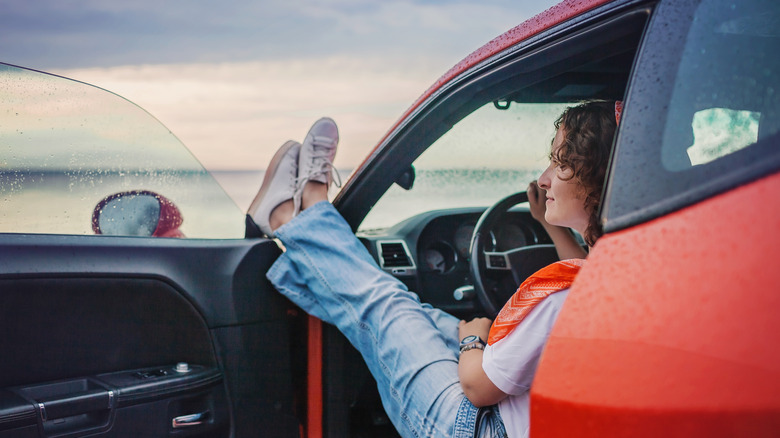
270 173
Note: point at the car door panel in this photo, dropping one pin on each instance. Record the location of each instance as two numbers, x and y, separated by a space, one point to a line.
95 326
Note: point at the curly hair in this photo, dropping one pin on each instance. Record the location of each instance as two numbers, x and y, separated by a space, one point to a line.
588 130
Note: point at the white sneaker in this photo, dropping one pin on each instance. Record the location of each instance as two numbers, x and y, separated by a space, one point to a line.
279 185
315 162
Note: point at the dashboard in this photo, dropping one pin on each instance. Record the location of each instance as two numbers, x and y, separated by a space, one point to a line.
430 252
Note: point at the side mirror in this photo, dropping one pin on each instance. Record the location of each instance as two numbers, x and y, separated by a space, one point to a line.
137 213
406 179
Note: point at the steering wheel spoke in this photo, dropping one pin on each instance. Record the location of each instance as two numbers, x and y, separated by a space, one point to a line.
498 261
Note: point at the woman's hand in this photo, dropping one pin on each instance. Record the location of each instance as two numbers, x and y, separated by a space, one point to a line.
537 200
565 243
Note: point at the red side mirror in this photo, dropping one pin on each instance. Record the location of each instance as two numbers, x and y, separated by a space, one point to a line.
137 213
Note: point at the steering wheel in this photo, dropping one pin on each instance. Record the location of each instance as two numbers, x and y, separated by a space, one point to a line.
488 269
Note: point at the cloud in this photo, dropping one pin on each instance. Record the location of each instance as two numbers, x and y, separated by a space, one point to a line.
234 115
233 80
67 34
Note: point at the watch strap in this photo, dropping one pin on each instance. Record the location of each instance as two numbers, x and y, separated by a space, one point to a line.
474 346
469 344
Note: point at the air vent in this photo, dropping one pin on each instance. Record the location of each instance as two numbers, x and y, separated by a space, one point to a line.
395 255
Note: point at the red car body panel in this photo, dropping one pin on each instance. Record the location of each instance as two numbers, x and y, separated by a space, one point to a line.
314 383
666 331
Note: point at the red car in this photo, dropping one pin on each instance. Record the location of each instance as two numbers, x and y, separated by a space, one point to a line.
667 330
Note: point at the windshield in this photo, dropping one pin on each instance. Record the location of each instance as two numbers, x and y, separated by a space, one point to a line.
66 146
493 152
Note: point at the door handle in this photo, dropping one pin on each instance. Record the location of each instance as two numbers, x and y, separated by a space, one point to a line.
190 420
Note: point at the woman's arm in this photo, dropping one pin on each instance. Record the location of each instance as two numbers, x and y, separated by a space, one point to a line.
476 385
565 243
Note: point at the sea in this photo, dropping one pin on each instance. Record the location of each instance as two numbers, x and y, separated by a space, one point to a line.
63 203
433 189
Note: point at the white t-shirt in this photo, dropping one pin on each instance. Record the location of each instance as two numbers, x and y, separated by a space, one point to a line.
511 362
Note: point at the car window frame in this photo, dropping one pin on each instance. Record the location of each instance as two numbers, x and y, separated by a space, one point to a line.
490 80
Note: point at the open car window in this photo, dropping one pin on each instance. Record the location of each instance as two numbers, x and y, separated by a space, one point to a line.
491 153
487 134
66 146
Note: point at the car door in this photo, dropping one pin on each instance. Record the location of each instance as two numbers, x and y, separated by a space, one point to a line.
129 335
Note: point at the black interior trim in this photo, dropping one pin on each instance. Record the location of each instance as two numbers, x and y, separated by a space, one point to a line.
68 327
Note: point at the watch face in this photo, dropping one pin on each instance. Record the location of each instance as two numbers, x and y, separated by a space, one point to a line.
469 339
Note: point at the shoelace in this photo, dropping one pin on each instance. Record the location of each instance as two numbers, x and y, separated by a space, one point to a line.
321 149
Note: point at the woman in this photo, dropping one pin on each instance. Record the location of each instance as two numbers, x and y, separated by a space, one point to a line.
434 372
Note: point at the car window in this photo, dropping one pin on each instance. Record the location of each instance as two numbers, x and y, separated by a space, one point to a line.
486 133
707 93
725 81
68 146
491 153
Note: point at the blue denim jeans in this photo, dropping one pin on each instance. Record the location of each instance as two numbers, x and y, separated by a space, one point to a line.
410 348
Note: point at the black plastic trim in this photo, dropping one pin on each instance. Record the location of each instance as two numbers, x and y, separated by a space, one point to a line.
15 412
234 269
132 391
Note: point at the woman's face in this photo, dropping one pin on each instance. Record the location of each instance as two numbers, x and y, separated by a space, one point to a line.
565 197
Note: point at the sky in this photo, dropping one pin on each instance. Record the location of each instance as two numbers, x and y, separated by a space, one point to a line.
235 79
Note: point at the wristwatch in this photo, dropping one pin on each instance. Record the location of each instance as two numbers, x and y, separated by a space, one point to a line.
471 342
